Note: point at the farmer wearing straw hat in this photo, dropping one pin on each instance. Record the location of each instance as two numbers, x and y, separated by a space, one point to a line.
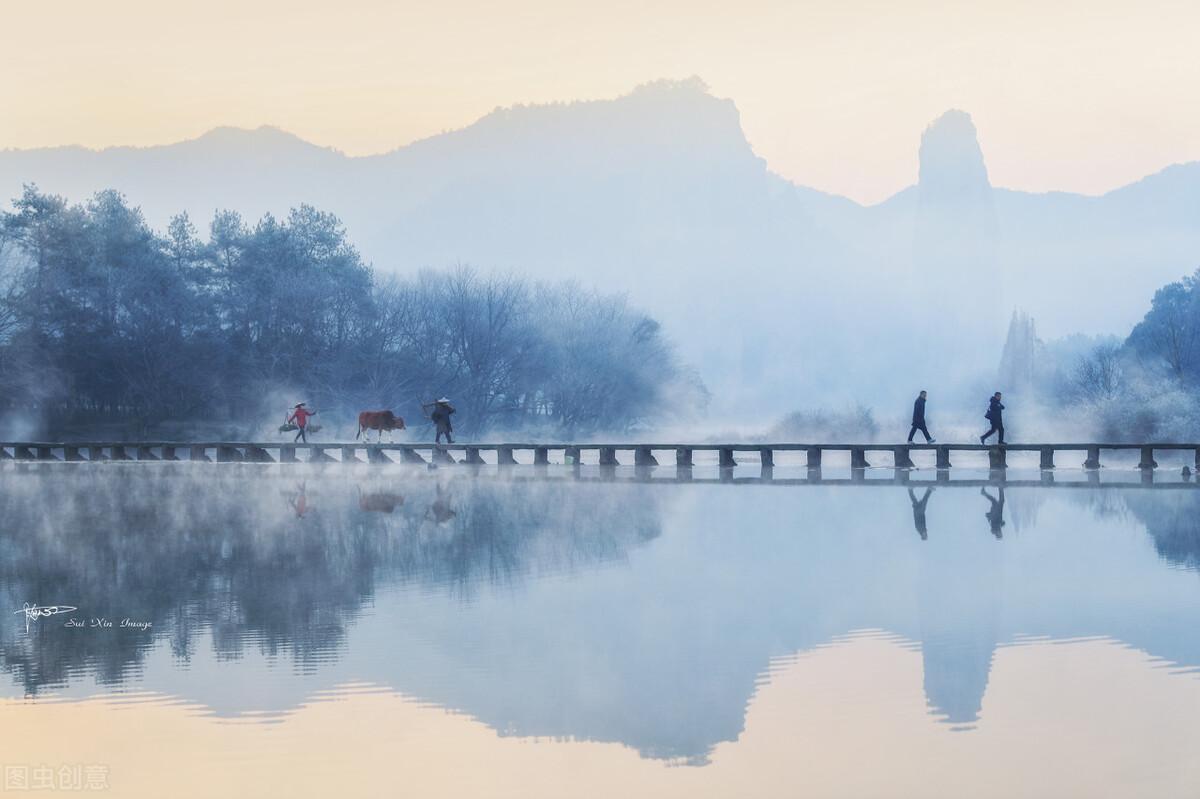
441 418
300 416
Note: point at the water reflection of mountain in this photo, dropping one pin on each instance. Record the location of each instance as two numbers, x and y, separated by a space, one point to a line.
559 609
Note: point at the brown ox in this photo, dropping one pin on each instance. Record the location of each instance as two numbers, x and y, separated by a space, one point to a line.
378 420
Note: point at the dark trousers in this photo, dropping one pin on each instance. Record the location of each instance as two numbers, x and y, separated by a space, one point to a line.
997 427
924 430
300 435
438 438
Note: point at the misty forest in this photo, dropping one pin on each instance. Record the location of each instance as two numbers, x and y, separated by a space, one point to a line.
590 268
106 325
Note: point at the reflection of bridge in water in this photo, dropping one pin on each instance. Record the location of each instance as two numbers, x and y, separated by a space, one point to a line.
505 454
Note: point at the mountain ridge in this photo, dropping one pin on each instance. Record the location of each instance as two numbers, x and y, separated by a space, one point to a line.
507 115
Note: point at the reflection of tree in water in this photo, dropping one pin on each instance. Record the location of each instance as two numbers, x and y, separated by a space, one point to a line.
1171 518
224 552
1173 521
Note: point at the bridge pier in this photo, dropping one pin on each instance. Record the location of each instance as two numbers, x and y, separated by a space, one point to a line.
683 457
350 455
377 455
1147 461
727 459
229 455
571 456
317 454
943 458
504 456
473 457
46 454
766 457
168 454
541 456
1046 458
642 456
858 458
287 453
1093 458
71 454
118 453
146 454
998 458
440 455
410 455
902 459
258 455
814 457
608 456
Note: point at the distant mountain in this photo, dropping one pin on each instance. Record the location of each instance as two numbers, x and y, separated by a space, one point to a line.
771 288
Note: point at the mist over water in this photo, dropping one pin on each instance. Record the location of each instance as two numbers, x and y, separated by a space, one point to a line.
623 610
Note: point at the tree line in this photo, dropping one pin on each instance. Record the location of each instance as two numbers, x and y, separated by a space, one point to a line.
1143 387
106 324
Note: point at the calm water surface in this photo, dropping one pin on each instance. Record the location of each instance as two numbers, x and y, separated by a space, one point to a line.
392 632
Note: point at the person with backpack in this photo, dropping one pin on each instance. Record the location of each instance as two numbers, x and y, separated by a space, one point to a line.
995 415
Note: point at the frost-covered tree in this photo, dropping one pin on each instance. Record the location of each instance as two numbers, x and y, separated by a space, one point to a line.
104 323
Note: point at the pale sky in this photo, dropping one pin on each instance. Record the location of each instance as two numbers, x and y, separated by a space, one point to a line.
1083 95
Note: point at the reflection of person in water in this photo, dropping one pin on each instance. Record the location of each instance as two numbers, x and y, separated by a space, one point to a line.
995 515
440 511
918 506
299 500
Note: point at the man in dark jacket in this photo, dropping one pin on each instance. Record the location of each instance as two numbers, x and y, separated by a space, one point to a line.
995 415
918 420
441 420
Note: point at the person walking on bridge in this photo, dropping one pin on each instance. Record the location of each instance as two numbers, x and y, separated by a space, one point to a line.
441 419
300 416
918 420
995 415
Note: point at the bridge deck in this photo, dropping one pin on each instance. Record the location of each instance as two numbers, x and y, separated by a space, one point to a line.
644 453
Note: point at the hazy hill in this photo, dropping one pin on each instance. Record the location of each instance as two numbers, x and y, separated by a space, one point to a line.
771 288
